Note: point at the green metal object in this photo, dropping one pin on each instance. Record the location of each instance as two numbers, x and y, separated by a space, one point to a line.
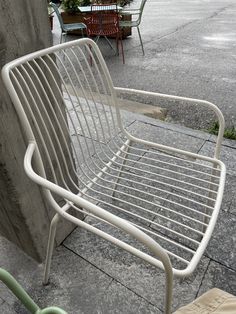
23 296
51 310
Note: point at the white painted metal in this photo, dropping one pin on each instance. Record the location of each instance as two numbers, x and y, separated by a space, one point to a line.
168 198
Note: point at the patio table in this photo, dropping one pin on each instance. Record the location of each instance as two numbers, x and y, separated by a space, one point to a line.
87 9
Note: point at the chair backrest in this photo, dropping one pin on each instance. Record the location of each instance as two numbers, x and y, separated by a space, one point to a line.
142 4
67 107
104 20
56 10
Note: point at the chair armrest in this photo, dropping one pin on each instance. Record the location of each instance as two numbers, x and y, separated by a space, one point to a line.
129 12
50 187
94 209
204 103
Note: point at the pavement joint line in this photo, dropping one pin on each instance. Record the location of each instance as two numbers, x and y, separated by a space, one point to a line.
104 272
218 12
179 129
199 150
204 274
86 260
220 263
163 36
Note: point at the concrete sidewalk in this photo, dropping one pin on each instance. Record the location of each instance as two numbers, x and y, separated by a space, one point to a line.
190 52
89 275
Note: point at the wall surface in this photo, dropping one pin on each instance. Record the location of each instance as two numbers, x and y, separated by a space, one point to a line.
24 217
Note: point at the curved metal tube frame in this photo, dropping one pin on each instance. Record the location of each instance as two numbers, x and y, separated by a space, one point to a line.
122 224
23 296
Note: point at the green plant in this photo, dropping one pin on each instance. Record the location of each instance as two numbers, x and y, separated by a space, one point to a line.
71 6
124 2
229 132
50 11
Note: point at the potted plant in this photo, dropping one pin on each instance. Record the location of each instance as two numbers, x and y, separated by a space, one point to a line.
71 6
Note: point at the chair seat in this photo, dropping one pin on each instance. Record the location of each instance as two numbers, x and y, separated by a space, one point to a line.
129 23
169 196
74 26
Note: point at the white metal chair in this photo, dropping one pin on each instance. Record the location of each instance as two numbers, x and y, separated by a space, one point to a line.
136 18
66 28
167 199
104 21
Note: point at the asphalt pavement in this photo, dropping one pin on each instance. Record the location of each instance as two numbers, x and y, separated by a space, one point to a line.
190 50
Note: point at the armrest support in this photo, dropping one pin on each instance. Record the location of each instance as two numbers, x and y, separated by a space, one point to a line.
197 102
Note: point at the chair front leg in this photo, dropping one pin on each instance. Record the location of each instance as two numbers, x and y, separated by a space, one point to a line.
50 247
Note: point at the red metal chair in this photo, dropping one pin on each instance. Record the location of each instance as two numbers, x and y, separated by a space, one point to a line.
104 21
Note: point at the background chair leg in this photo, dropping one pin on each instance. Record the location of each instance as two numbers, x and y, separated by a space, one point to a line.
61 38
109 43
117 44
50 247
122 49
96 39
140 38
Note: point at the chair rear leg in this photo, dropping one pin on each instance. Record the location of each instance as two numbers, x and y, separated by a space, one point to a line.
117 44
140 38
50 247
210 195
61 38
124 160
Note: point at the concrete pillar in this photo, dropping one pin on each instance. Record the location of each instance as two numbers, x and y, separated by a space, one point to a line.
24 216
